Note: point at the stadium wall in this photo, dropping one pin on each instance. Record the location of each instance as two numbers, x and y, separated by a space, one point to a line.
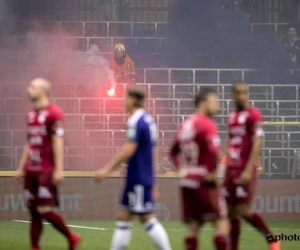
83 199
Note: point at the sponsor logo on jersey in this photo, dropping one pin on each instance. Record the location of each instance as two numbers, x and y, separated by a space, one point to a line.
37 130
238 130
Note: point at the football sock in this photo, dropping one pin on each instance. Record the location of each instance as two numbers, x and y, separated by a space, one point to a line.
158 234
235 233
191 243
36 228
122 235
58 223
257 221
221 242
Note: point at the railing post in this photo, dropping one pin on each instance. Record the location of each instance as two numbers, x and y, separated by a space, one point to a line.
218 76
107 29
194 76
131 28
269 163
83 29
87 42
79 106
67 157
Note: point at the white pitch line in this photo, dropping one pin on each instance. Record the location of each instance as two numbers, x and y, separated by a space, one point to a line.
174 229
46 223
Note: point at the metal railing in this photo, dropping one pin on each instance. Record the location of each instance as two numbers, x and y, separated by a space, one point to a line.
116 29
154 105
182 76
106 44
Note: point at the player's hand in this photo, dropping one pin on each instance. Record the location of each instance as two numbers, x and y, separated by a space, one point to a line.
211 179
100 175
58 177
245 178
18 176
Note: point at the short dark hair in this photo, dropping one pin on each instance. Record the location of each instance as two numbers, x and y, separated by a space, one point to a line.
202 95
137 93
291 27
234 84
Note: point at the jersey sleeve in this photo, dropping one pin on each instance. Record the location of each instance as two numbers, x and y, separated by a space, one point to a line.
56 123
256 127
134 132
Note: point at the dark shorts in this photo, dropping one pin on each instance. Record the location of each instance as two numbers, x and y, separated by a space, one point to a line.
137 199
202 204
39 190
236 194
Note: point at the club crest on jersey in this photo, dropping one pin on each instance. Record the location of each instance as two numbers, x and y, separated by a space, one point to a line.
242 117
42 117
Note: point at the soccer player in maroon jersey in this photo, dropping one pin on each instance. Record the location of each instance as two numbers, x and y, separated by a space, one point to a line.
245 139
195 152
42 163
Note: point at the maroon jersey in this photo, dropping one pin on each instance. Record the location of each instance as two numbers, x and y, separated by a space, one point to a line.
42 124
199 144
242 126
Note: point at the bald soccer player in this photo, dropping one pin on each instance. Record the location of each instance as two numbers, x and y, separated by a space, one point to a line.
42 163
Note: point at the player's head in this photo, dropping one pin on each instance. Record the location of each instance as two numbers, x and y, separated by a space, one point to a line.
206 101
119 50
292 31
240 94
134 98
38 88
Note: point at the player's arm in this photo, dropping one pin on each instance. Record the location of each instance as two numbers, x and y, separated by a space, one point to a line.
58 153
20 170
175 154
57 146
256 138
254 153
213 144
123 155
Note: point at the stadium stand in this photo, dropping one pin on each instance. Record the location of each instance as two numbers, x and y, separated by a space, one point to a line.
95 126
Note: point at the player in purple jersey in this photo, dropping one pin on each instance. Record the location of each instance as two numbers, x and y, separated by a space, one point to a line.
137 152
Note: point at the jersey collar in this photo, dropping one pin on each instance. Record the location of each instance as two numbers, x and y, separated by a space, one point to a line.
136 116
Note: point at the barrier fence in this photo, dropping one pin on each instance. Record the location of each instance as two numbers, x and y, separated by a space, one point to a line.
83 199
117 28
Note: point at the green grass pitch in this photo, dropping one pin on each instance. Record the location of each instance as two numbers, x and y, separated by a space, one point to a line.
14 236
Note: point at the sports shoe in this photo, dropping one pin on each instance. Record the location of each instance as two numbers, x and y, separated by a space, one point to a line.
74 241
274 245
